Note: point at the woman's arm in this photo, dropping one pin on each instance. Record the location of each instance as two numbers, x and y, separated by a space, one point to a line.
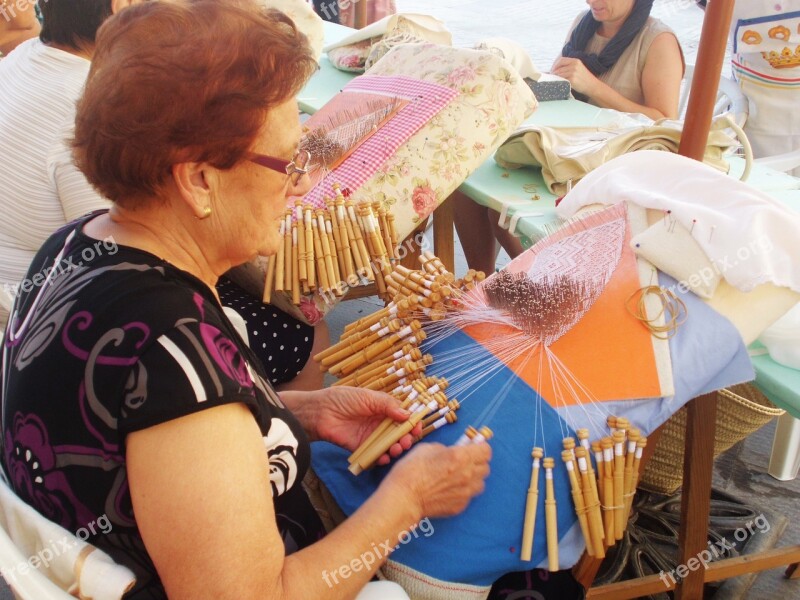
201 494
661 81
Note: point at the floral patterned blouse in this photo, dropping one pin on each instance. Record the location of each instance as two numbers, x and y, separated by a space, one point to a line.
107 340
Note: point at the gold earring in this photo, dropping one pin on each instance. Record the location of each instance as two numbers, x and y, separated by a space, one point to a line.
206 213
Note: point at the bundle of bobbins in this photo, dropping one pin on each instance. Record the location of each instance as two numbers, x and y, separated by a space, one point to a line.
333 249
382 352
602 494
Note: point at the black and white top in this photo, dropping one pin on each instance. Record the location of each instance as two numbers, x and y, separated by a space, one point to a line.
107 340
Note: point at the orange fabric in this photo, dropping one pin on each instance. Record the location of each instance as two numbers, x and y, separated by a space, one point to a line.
608 351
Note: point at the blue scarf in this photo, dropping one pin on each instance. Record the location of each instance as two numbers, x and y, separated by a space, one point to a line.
587 27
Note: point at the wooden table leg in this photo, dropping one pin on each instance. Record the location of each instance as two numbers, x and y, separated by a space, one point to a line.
360 16
444 234
698 466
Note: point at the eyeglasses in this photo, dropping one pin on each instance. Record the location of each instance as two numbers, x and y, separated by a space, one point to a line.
295 168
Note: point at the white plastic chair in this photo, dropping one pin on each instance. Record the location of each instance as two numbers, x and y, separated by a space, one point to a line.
730 98
41 560
5 306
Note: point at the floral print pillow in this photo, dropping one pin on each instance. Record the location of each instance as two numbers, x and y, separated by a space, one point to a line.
353 57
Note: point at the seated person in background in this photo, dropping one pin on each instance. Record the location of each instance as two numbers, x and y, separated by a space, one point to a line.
616 56
127 391
16 24
42 190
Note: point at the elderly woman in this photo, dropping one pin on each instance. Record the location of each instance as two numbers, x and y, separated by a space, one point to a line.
618 56
43 189
128 393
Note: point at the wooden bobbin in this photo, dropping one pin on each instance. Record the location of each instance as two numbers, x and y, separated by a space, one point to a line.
583 437
597 450
311 271
373 348
356 341
301 241
344 236
287 252
577 498
607 445
551 516
387 382
269 282
323 284
641 444
362 376
359 239
337 281
591 502
633 437
378 432
531 504
296 289
466 437
415 337
392 435
611 420
280 264
619 483
446 419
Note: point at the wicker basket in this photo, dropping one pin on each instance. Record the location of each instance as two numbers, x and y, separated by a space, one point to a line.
741 410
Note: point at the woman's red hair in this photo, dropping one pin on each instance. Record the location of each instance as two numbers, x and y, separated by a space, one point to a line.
182 82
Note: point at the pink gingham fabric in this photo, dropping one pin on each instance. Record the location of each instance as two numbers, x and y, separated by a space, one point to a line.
425 100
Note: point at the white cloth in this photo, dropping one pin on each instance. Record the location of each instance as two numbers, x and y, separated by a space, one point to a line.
64 558
749 237
40 187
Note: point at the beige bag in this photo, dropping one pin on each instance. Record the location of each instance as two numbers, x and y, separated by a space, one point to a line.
567 154
360 50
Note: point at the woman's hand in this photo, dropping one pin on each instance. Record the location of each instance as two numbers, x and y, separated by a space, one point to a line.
345 416
579 77
441 480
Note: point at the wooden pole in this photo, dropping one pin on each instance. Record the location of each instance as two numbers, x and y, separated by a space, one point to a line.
702 97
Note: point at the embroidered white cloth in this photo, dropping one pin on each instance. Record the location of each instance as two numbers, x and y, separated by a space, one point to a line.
749 237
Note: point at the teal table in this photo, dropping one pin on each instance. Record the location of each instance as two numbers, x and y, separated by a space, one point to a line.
513 192
328 80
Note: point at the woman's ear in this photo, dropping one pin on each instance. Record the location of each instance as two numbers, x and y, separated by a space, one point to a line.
194 182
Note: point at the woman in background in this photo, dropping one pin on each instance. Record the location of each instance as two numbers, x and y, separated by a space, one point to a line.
616 56
16 25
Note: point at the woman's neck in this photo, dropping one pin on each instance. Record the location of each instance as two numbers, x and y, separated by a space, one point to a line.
164 237
85 51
